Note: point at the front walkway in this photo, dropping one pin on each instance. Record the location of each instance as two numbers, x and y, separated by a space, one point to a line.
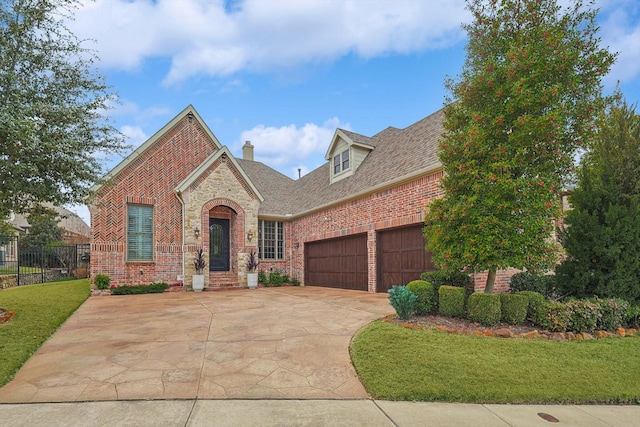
289 342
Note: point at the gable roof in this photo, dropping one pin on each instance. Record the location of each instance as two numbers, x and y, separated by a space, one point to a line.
223 151
351 138
397 155
190 110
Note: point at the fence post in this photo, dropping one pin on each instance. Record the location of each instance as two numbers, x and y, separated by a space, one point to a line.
18 255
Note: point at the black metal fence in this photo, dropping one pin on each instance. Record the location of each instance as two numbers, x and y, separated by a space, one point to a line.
21 265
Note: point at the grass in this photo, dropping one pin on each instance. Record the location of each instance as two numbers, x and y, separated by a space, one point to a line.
23 270
397 363
40 310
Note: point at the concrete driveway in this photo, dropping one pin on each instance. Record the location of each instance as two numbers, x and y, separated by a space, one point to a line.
289 342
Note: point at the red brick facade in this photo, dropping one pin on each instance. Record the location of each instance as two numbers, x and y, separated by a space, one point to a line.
188 178
150 179
402 204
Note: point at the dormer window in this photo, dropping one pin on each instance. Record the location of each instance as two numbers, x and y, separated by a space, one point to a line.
341 162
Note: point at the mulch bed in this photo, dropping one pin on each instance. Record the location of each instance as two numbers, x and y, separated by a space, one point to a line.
504 330
6 315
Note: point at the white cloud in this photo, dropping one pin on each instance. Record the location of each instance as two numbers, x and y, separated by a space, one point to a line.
621 33
202 38
134 134
286 147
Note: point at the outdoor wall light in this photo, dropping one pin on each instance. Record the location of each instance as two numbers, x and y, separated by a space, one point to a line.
296 245
250 235
196 232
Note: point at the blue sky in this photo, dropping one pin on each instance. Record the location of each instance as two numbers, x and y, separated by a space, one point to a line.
285 74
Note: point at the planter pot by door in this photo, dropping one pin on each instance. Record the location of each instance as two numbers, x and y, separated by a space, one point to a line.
198 282
252 280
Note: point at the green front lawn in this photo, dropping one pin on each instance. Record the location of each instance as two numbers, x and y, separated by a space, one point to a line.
40 310
397 363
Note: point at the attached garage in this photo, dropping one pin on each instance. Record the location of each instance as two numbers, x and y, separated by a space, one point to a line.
401 256
337 263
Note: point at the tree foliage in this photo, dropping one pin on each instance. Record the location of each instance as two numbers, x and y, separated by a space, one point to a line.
524 103
51 108
602 232
44 229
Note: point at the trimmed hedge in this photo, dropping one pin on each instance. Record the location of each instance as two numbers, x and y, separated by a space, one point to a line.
514 308
153 288
535 301
426 295
484 308
613 313
449 278
544 284
584 315
451 301
553 316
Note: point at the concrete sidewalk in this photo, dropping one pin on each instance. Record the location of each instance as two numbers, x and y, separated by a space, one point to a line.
368 413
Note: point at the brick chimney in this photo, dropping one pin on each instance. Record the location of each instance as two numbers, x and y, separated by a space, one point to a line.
247 151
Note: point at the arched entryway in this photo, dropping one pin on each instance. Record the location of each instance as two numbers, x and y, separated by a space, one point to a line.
223 248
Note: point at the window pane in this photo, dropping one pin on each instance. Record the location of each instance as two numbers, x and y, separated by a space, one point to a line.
270 239
280 242
139 233
336 164
345 159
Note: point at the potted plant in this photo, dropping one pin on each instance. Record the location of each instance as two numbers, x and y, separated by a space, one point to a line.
252 274
199 264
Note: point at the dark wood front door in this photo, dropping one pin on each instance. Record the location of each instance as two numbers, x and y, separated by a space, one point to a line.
218 244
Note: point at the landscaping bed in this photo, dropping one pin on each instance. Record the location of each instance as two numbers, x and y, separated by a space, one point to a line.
504 330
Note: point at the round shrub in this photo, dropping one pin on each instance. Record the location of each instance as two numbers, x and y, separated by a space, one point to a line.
584 315
535 301
553 316
514 308
632 316
612 313
484 308
402 300
451 301
425 294
102 281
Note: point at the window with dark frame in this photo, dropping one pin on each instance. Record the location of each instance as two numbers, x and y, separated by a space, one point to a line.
139 233
345 160
341 162
270 240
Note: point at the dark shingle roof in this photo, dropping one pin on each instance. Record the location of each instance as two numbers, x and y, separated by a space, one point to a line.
277 189
359 139
398 153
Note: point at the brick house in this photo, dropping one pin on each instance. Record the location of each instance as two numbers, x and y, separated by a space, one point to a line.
354 223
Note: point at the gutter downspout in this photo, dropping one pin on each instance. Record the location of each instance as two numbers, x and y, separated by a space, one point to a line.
179 196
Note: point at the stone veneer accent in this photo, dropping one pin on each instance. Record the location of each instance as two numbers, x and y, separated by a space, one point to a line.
221 185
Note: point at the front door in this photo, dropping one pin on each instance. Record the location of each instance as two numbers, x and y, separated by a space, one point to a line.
218 244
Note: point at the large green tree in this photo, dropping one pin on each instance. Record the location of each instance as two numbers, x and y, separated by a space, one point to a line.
44 230
52 106
602 232
523 104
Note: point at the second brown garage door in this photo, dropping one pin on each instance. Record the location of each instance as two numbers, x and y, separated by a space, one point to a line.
337 263
401 256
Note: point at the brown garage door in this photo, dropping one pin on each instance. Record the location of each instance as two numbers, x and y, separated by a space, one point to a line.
401 256
337 263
